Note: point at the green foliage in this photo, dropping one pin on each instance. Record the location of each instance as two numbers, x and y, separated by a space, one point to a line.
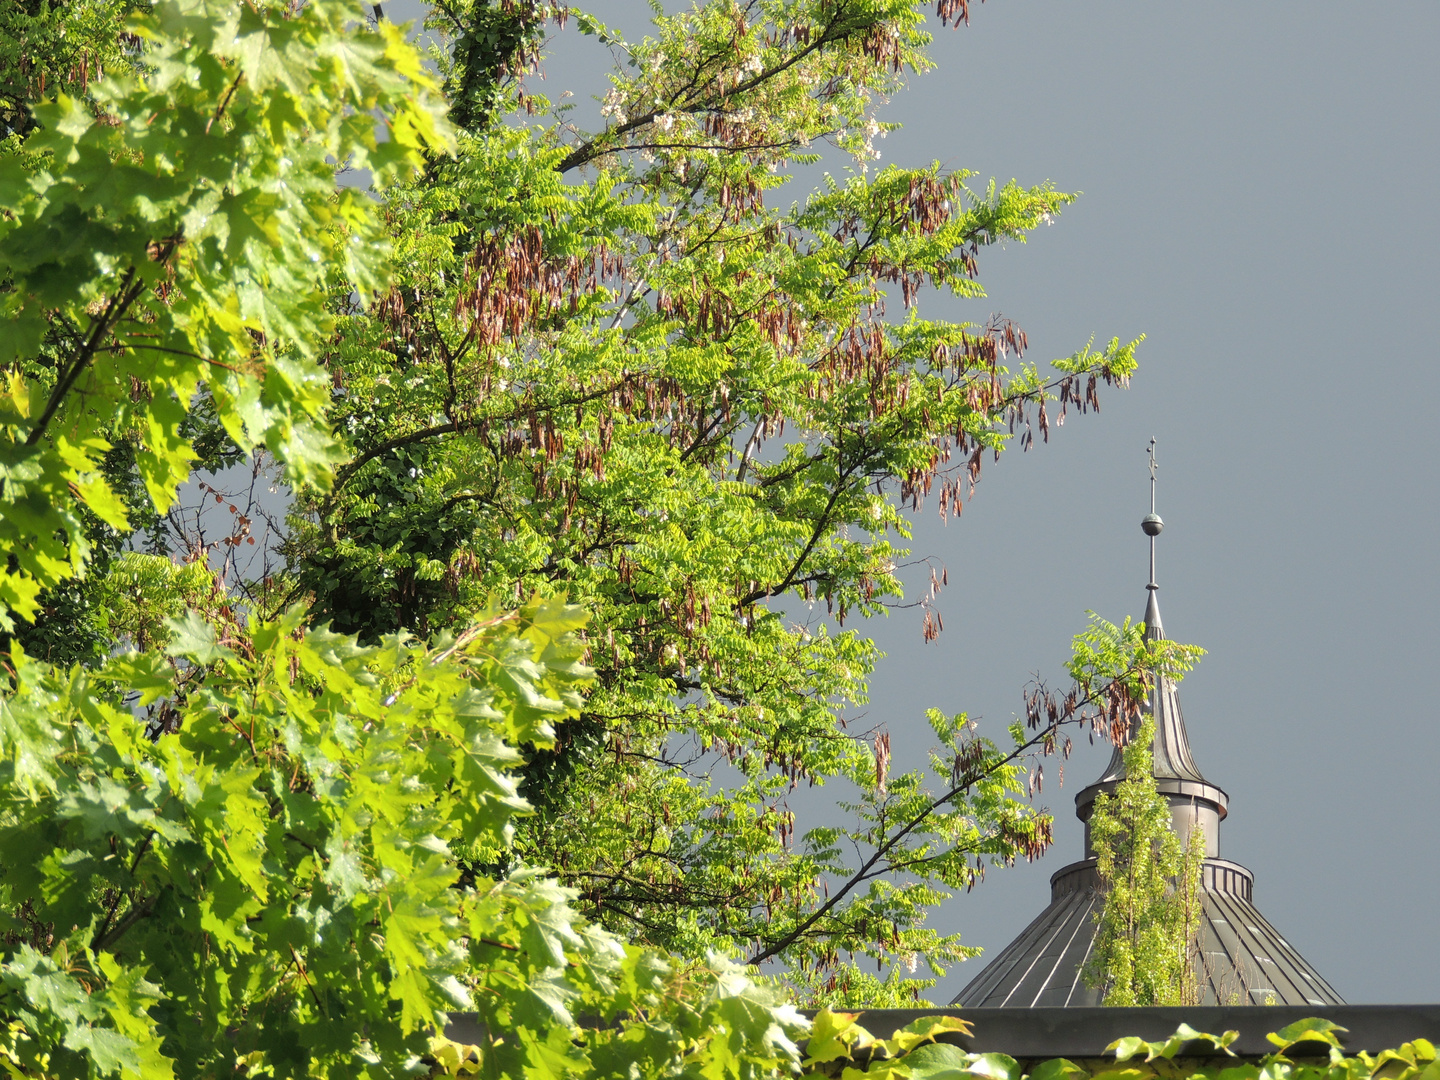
141 593
913 842
1145 933
1119 663
186 236
621 366
59 46
612 369
232 848
840 1047
267 884
74 623
1308 1049
492 42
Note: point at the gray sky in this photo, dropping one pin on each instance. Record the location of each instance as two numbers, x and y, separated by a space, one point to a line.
1257 200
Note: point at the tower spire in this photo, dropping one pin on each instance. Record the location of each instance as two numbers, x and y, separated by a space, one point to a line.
1152 525
1194 801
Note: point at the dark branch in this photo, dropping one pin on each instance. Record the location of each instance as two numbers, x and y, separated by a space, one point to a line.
104 322
588 151
966 781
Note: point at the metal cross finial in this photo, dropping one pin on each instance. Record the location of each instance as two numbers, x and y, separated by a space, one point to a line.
1151 452
1152 523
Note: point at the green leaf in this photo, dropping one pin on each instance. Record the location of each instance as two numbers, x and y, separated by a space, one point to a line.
110 1051
147 674
994 1066
103 502
1057 1069
1311 1029
938 1061
194 639
1127 1047
832 1036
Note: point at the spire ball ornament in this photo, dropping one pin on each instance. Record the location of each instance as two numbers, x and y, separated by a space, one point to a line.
1151 522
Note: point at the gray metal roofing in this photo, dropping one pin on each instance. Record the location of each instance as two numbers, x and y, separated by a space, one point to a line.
1243 958
1172 757
1042 966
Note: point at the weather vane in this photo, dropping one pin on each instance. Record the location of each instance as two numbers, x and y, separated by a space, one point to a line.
1151 523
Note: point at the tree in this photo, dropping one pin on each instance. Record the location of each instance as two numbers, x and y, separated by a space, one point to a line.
175 240
227 850
617 366
48 48
559 366
1145 938
264 883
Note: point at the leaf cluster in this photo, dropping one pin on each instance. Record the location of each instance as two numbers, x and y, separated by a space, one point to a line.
268 884
1145 933
50 46
180 230
928 1049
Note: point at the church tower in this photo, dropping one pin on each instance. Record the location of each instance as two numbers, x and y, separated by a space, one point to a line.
1243 960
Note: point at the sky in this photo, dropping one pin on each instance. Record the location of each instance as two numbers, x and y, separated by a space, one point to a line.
1258 200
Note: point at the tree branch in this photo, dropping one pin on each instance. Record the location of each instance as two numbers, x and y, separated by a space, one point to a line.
820 526
104 322
103 935
593 149
225 101
967 781
343 475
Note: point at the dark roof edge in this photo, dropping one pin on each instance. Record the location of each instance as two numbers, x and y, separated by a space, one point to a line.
1084 1032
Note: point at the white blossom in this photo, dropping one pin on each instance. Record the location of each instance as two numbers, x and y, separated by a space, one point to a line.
611 106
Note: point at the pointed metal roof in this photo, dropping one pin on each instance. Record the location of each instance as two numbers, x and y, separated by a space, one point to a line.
1174 764
1242 959
1174 768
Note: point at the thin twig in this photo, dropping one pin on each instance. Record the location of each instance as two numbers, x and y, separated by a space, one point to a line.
224 102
